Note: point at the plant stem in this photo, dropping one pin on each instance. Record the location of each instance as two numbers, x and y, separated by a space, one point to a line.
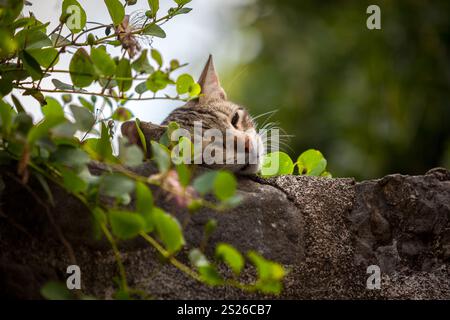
175 262
116 251
99 94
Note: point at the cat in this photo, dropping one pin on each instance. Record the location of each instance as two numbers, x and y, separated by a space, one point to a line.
214 111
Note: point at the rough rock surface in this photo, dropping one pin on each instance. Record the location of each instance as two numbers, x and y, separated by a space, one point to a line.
325 231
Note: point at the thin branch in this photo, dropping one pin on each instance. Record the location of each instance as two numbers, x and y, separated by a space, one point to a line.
174 261
101 95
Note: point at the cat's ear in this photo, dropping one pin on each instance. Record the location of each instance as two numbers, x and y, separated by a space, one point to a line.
210 84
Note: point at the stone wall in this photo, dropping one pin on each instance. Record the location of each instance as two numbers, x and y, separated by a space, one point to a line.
325 231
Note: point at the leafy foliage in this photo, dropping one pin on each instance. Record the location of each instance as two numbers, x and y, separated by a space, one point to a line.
56 291
72 134
231 256
309 163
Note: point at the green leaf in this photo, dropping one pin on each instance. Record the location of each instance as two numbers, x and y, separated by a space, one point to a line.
276 163
208 272
224 185
184 174
266 269
129 155
107 83
210 227
161 155
72 182
183 152
232 201
56 291
141 64
230 256
13 11
158 80
23 23
54 115
144 205
141 135
86 104
122 114
61 85
70 157
46 57
100 149
103 61
6 85
326 174
81 69
52 109
65 132
181 11
105 148
36 94
141 88
154 30
125 224
197 258
123 75
174 64
77 19
184 83
17 103
154 7
157 57
115 185
6 116
84 119
205 182
195 90
165 138
14 73
22 123
210 275
311 163
31 65
169 230
115 43
116 11
91 39
58 40
66 98
32 39
270 273
182 2
100 220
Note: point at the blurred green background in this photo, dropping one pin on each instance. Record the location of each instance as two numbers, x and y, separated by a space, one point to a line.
373 101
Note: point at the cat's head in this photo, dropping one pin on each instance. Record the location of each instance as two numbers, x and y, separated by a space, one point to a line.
212 108
241 148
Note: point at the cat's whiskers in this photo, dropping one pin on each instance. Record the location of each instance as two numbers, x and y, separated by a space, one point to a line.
275 142
268 118
263 114
271 141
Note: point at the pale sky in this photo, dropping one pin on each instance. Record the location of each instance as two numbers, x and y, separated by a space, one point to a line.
209 28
